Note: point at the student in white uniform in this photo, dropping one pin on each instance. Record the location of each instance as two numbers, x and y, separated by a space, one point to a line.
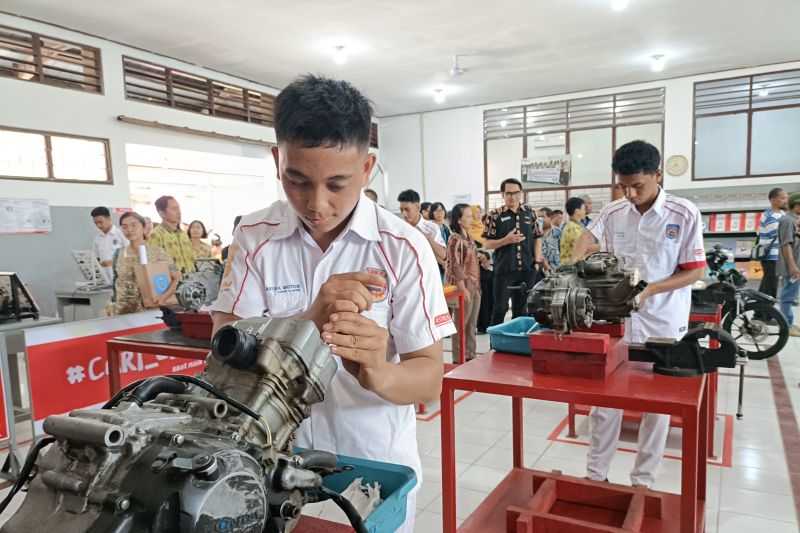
366 278
412 213
662 236
108 240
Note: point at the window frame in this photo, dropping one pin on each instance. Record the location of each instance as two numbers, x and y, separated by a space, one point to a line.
210 83
50 178
566 131
39 75
749 112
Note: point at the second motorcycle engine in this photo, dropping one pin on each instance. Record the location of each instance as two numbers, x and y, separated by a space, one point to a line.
172 456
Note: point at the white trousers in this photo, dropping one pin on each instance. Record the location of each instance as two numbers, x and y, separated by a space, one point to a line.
411 513
606 424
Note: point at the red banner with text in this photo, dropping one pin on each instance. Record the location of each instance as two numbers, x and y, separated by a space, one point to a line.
73 373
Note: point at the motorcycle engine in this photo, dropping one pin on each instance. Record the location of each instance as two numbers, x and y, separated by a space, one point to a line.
175 454
201 287
598 288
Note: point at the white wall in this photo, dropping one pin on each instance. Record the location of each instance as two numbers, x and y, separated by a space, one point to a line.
452 147
37 106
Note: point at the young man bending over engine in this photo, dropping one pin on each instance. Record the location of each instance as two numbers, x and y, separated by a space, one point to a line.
662 236
368 280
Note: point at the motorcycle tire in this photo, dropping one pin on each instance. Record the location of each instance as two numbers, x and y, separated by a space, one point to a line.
767 312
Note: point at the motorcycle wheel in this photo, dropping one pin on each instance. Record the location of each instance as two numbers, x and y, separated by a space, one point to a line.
758 336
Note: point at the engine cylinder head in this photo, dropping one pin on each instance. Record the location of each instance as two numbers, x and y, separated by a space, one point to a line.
234 347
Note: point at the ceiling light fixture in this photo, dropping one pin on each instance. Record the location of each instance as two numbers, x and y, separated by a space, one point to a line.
659 63
763 93
438 96
619 5
339 55
456 70
503 123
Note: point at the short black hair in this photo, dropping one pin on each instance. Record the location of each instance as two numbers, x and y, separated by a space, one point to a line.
104 212
424 206
772 194
546 211
635 157
317 111
558 212
408 195
132 214
189 229
437 205
507 181
162 202
455 216
573 204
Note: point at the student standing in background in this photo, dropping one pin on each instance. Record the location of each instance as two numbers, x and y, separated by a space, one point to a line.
197 232
439 217
462 270
170 237
576 210
108 240
768 241
789 261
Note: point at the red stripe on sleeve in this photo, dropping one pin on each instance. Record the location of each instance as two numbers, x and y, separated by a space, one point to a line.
692 265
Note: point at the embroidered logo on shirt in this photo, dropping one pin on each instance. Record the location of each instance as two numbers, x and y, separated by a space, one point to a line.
376 290
442 319
673 231
284 289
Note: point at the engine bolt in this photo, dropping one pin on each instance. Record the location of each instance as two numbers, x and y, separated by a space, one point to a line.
123 504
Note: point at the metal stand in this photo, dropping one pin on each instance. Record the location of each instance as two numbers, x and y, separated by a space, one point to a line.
11 465
739 414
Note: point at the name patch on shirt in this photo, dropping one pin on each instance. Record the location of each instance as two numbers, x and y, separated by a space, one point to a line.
505 219
619 234
673 231
442 319
284 289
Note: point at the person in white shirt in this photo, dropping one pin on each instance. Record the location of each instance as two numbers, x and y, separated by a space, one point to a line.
410 209
367 279
662 236
108 240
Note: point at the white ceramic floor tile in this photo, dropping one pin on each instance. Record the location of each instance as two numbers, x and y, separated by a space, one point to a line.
739 523
481 478
756 479
429 491
770 506
427 522
764 460
502 458
432 468
466 502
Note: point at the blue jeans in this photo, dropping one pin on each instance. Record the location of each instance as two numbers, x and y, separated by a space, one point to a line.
789 292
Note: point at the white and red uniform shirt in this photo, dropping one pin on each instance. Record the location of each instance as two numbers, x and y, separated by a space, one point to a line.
665 239
431 229
276 269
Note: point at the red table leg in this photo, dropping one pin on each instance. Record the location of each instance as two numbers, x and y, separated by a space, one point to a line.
571 421
517 432
114 380
690 465
704 445
448 460
462 350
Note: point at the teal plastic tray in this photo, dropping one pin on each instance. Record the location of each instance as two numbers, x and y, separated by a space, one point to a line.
396 482
512 336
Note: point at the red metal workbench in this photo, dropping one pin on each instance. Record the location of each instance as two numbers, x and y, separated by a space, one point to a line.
162 342
633 385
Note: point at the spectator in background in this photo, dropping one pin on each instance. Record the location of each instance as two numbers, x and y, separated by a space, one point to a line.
576 209
462 270
169 236
587 204
514 233
148 227
425 210
789 262
439 217
487 291
551 240
476 230
225 250
216 246
617 192
768 248
197 232
371 194
127 296
557 220
410 208
108 240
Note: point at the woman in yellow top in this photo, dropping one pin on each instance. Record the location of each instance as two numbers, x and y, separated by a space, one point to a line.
576 209
197 232
127 296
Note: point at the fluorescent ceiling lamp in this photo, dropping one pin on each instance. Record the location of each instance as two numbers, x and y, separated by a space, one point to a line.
763 93
439 97
339 55
659 62
619 5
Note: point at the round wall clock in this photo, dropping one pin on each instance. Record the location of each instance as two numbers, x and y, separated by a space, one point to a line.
677 165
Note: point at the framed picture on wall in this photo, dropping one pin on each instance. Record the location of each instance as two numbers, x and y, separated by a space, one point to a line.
552 170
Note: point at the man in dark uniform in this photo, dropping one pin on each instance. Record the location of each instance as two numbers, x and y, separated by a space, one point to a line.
513 232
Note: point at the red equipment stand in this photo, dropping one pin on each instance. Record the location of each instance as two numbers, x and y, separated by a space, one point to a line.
162 342
633 385
713 316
